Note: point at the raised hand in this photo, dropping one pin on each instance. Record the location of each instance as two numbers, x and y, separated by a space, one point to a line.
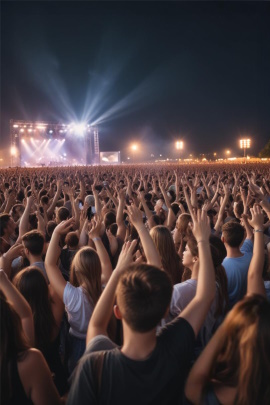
257 218
126 255
201 226
135 215
96 228
64 227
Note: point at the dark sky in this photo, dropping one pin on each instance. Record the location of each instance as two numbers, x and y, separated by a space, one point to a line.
147 71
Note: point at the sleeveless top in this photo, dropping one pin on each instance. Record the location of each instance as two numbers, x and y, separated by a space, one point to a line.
18 395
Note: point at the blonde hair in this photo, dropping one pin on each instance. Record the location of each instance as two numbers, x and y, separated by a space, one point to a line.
86 270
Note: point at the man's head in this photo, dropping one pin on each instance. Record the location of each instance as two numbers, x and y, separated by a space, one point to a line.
62 214
33 243
143 296
7 225
233 234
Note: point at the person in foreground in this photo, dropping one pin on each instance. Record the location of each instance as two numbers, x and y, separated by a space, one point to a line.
234 368
148 368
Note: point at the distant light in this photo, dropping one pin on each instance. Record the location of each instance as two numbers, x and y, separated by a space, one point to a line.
50 131
23 140
21 130
244 143
160 155
64 154
228 152
15 126
29 130
134 147
179 145
13 151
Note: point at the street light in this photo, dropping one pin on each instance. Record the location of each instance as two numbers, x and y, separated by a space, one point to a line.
179 146
244 144
228 152
134 148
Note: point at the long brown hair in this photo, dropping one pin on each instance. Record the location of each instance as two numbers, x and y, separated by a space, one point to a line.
170 260
33 286
13 345
86 270
244 359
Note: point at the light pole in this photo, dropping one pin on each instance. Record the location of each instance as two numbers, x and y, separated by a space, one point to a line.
134 148
244 144
179 146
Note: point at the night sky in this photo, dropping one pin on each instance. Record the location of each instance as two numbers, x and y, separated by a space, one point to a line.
151 72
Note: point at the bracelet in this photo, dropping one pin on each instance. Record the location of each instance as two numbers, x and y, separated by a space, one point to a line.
258 230
141 228
199 241
97 238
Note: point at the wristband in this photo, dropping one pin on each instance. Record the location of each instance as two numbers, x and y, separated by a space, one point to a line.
258 230
141 228
199 241
97 238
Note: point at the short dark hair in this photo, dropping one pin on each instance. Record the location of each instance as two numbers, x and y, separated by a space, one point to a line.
63 213
72 240
233 233
143 295
4 218
34 242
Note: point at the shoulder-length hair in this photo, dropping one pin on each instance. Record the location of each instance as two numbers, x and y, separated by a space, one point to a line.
86 270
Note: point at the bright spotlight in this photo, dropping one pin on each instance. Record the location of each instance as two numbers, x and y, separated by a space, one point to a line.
79 128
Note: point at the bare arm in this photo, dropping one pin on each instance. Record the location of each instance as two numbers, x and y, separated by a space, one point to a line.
255 283
106 265
102 313
196 311
54 273
149 247
20 305
200 373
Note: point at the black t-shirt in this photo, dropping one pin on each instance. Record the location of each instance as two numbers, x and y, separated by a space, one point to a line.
157 380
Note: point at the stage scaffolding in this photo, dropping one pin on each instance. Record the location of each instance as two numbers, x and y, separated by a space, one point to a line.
79 141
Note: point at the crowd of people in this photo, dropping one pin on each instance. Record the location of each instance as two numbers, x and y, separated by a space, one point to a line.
135 284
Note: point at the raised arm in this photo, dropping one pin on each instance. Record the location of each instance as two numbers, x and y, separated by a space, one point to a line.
55 199
151 253
95 235
20 305
195 313
255 284
103 310
200 373
121 228
53 272
23 227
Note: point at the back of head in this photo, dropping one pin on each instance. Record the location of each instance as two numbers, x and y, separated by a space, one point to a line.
244 359
143 295
33 286
86 269
62 214
183 223
233 234
72 240
109 219
34 242
4 219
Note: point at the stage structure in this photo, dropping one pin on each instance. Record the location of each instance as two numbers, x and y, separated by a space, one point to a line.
47 144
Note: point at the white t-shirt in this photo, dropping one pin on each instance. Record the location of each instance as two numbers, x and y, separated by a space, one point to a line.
79 309
183 293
